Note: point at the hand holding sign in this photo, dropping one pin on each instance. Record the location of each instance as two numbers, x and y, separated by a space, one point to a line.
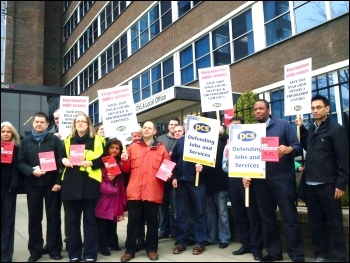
201 142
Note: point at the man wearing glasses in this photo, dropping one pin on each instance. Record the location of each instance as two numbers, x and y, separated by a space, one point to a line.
326 176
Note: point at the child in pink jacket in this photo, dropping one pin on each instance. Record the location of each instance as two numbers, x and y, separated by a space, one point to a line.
111 205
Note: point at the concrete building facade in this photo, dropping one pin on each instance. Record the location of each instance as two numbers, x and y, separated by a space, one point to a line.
157 47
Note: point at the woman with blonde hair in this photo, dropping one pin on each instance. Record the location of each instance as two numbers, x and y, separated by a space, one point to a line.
11 182
81 188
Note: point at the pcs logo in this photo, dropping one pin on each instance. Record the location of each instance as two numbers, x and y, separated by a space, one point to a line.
217 105
246 136
128 139
298 108
121 128
202 128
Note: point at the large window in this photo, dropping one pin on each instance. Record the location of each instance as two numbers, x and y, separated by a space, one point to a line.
242 35
334 85
185 6
158 78
94 113
19 109
277 21
150 25
221 45
194 57
309 14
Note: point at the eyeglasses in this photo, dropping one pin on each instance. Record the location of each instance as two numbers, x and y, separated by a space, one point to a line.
317 108
81 121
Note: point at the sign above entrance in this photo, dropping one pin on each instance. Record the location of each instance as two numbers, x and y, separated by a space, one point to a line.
155 100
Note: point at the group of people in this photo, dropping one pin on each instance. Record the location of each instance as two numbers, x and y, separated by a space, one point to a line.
192 215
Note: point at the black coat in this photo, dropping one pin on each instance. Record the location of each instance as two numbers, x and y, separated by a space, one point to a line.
327 157
11 178
76 184
217 179
28 157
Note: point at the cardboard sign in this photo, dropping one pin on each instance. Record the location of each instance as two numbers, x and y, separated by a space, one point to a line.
111 165
47 161
76 153
201 140
245 151
7 152
165 169
269 147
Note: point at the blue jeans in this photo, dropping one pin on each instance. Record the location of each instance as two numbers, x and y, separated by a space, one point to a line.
189 195
218 224
167 212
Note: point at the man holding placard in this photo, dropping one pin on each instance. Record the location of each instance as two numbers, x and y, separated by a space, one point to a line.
279 188
144 191
42 184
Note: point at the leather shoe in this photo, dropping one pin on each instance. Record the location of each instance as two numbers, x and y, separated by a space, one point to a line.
56 257
270 258
126 257
105 253
257 256
198 250
223 245
179 249
33 258
241 251
152 255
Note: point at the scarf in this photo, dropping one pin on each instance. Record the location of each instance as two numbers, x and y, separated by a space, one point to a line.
39 136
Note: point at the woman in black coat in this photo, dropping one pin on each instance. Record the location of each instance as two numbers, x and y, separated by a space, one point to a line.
81 188
11 182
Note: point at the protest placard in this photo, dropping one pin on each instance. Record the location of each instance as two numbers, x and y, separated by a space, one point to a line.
76 153
111 165
269 147
245 150
297 87
47 161
118 112
70 106
7 152
215 87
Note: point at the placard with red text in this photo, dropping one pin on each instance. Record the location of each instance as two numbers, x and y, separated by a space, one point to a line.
7 152
269 147
76 153
47 161
111 165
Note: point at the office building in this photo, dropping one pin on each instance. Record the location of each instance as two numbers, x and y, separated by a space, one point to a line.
78 47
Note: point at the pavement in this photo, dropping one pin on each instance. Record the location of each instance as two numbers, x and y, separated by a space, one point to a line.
165 248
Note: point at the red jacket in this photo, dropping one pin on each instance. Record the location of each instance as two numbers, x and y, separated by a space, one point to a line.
143 164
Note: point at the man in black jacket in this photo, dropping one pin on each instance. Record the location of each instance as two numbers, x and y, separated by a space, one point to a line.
326 176
42 185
